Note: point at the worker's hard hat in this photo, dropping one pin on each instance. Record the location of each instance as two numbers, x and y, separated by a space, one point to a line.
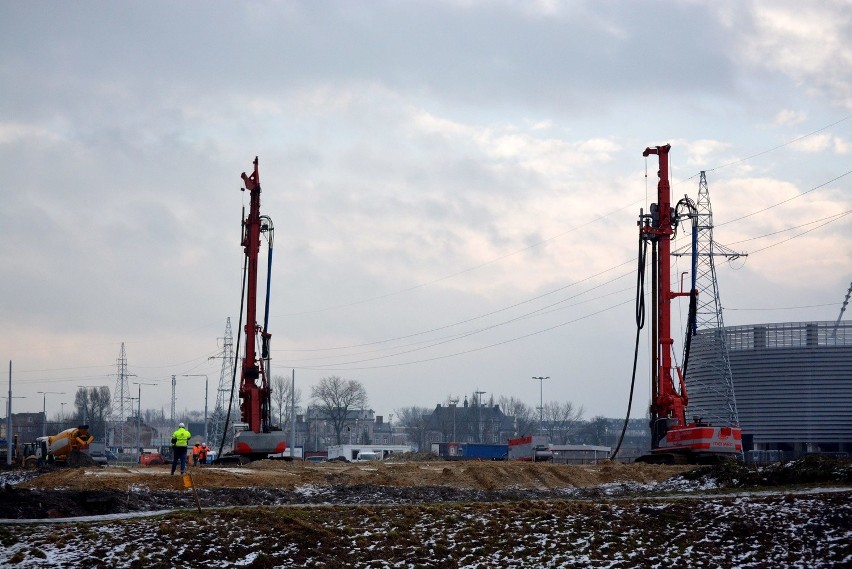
181 425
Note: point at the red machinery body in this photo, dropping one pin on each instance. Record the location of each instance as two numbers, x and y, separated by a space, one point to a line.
671 435
258 439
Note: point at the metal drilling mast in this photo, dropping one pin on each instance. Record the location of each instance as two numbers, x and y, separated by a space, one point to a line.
659 228
673 439
259 439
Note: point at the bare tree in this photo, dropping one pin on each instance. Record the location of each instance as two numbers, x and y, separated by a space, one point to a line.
525 420
282 399
593 431
93 405
416 424
558 420
335 397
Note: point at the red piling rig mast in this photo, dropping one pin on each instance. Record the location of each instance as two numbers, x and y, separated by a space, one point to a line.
253 397
672 438
258 439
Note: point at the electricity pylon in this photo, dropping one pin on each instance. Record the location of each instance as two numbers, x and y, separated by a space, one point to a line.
122 404
224 399
712 397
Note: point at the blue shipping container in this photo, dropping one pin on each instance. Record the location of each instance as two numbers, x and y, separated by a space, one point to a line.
473 451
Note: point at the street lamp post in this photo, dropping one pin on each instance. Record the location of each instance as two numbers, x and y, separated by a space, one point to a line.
454 403
541 399
44 408
123 437
316 430
479 395
204 375
62 413
9 434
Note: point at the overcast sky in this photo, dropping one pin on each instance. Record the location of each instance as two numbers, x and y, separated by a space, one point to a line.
454 185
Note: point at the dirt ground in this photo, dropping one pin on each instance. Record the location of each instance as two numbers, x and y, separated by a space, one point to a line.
61 492
459 515
289 475
70 492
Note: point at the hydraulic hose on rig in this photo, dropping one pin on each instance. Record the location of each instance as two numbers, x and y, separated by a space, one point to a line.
236 359
640 323
640 309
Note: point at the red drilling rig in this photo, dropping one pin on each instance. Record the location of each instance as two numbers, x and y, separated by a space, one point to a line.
255 438
673 439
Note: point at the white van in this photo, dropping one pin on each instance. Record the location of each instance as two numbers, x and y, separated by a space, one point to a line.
367 455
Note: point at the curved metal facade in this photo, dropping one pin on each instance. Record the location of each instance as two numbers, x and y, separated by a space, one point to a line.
792 383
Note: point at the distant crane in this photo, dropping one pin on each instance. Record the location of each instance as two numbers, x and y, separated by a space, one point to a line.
842 310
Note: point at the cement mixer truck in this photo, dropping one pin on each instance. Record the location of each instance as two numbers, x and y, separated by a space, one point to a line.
72 447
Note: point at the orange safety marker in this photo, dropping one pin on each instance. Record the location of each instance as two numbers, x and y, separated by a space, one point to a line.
187 483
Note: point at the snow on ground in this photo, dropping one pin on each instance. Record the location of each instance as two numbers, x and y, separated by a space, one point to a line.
686 521
750 531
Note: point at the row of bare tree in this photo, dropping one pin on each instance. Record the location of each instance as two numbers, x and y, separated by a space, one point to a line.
336 399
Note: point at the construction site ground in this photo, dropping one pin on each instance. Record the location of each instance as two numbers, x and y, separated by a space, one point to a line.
430 513
64 492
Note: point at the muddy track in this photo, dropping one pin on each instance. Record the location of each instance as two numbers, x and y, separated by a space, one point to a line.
22 503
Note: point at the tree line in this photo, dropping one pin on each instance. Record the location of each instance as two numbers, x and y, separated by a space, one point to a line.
336 398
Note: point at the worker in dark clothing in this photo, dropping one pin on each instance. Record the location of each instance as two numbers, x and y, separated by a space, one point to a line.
180 439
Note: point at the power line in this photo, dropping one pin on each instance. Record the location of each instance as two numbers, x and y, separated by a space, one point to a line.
458 273
787 200
781 308
774 148
833 218
472 319
472 350
800 234
447 339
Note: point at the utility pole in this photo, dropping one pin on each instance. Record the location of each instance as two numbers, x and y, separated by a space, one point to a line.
174 384
293 417
9 420
139 413
204 375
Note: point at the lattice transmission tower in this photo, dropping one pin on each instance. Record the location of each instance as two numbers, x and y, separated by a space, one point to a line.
712 399
122 404
224 398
